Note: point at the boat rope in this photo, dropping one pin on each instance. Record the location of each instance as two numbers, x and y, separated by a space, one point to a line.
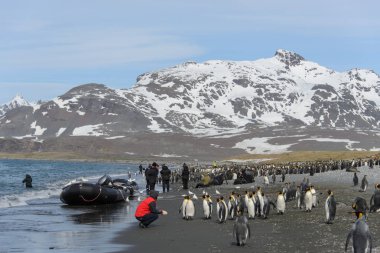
91 200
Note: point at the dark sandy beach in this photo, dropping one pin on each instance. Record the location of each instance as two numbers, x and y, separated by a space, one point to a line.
295 231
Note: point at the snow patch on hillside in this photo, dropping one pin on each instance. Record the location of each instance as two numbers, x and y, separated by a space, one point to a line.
88 130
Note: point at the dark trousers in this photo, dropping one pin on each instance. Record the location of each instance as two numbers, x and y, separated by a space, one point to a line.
152 185
185 182
148 218
165 185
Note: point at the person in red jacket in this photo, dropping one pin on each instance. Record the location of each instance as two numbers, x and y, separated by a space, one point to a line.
146 211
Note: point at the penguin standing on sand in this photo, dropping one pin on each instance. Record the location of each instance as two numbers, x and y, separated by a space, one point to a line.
187 208
246 197
308 200
259 202
266 206
314 196
355 179
207 206
241 231
360 205
298 197
266 180
280 205
251 206
330 207
360 234
364 185
374 203
221 209
232 206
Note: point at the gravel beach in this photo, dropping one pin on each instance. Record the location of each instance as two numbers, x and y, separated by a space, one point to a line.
295 231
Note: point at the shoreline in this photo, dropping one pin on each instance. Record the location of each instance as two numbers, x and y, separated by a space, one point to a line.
295 231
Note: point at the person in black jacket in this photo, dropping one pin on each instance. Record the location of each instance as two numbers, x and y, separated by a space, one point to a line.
185 176
27 181
151 176
165 175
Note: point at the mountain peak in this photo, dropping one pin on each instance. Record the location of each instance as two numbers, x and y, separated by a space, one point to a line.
288 57
18 101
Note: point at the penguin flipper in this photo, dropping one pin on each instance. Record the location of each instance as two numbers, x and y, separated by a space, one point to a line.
249 231
348 240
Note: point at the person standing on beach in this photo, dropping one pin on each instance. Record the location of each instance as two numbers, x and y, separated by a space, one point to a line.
141 169
185 176
165 175
27 181
151 176
147 212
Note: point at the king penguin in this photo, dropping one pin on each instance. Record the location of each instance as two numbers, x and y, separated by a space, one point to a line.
232 206
308 200
364 184
221 209
374 203
298 197
251 206
207 207
361 236
330 207
187 208
314 196
280 205
259 202
241 231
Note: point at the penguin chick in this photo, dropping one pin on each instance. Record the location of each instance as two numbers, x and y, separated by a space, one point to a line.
241 231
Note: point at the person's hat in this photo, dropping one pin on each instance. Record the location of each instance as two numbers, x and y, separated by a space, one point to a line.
153 194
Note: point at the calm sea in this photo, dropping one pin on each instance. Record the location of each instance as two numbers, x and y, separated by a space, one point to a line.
35 220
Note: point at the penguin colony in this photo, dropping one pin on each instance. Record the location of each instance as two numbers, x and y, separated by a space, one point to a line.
254 204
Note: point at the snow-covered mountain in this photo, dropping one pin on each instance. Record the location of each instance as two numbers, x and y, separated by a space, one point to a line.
16 102
284 89
213 98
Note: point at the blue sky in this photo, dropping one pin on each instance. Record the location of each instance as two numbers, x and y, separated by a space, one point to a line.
48 47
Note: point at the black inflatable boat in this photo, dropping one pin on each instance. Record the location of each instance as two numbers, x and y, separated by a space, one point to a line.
105 191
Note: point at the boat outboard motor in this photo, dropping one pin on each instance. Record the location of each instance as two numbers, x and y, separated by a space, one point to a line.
105 180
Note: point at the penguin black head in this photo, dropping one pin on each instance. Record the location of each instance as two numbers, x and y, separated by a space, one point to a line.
221 198
204 196
377 186
207 196
329 192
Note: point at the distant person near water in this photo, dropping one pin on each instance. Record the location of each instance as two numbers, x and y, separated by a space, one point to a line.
27 181
147 212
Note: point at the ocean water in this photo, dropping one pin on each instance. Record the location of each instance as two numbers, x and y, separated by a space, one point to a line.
35 220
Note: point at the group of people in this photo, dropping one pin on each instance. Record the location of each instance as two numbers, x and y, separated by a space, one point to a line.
154 175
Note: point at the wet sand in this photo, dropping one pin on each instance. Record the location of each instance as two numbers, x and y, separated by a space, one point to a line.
295 231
